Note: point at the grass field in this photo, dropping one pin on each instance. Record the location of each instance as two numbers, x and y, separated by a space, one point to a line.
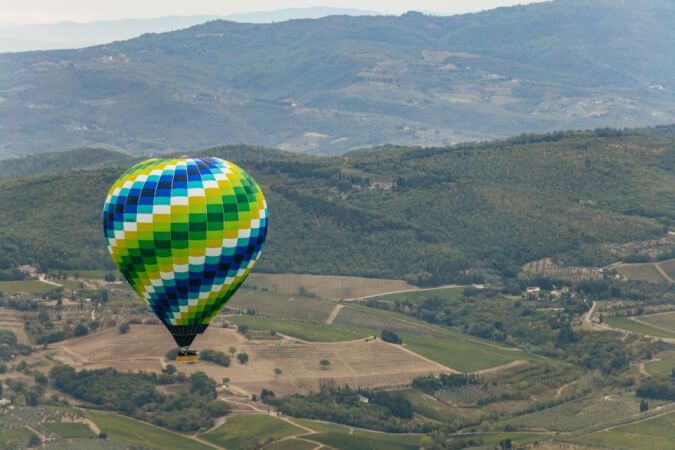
517 438
664 365
291 444
431 407
450 293
326 286
70 430
339 437
665 321
282 306
577 414
364 440
668 267
304 330
445 346
653 434
640 272
624 323
459 353
27 286
244 431
139 434
17 438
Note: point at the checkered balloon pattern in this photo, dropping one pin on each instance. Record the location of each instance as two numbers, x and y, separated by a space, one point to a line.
185 233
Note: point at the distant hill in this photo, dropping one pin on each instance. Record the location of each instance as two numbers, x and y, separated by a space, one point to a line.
64 35
340 83
433 215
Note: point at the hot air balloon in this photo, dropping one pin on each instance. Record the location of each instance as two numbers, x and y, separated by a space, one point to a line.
185 233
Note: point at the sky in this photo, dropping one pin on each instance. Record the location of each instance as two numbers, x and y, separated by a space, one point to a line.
49 11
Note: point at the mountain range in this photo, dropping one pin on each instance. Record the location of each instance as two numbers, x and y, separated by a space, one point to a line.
60 35
466 213
340 83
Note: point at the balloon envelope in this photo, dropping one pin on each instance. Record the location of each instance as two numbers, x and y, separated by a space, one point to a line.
185 233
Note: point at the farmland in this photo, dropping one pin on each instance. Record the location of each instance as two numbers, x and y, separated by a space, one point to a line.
282 306
664 321
654 434
243 432
358 363
343 437
581 413
668 267
26 286
663 364
16 438
461 354
627 324
641 272
326 286
303 330
134 433
70 430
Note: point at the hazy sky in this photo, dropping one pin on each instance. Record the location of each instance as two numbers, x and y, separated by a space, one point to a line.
44 11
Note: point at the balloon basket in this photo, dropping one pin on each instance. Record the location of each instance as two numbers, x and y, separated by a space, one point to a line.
188 356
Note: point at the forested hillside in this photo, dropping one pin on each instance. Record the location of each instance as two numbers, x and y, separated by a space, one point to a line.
340 83
431 215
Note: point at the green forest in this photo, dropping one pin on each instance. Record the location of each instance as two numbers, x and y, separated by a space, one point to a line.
428 215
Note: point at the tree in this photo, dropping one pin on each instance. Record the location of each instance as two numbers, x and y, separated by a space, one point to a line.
34 440
277 371
124 328
644 405
226 380
41 379
170 369
243 329
201 384
80 330
242 357
109 277
391 337
324 363
232 350
102 435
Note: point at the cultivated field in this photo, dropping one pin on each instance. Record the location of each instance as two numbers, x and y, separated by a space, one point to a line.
663 364
326 286
137 434
668 267
282 306
582 413
357 363
26 286
244 431
664 321
306 331
627 324
653 434
640 272
12 320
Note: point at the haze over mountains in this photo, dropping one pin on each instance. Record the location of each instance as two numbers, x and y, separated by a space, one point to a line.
61 35
339 83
